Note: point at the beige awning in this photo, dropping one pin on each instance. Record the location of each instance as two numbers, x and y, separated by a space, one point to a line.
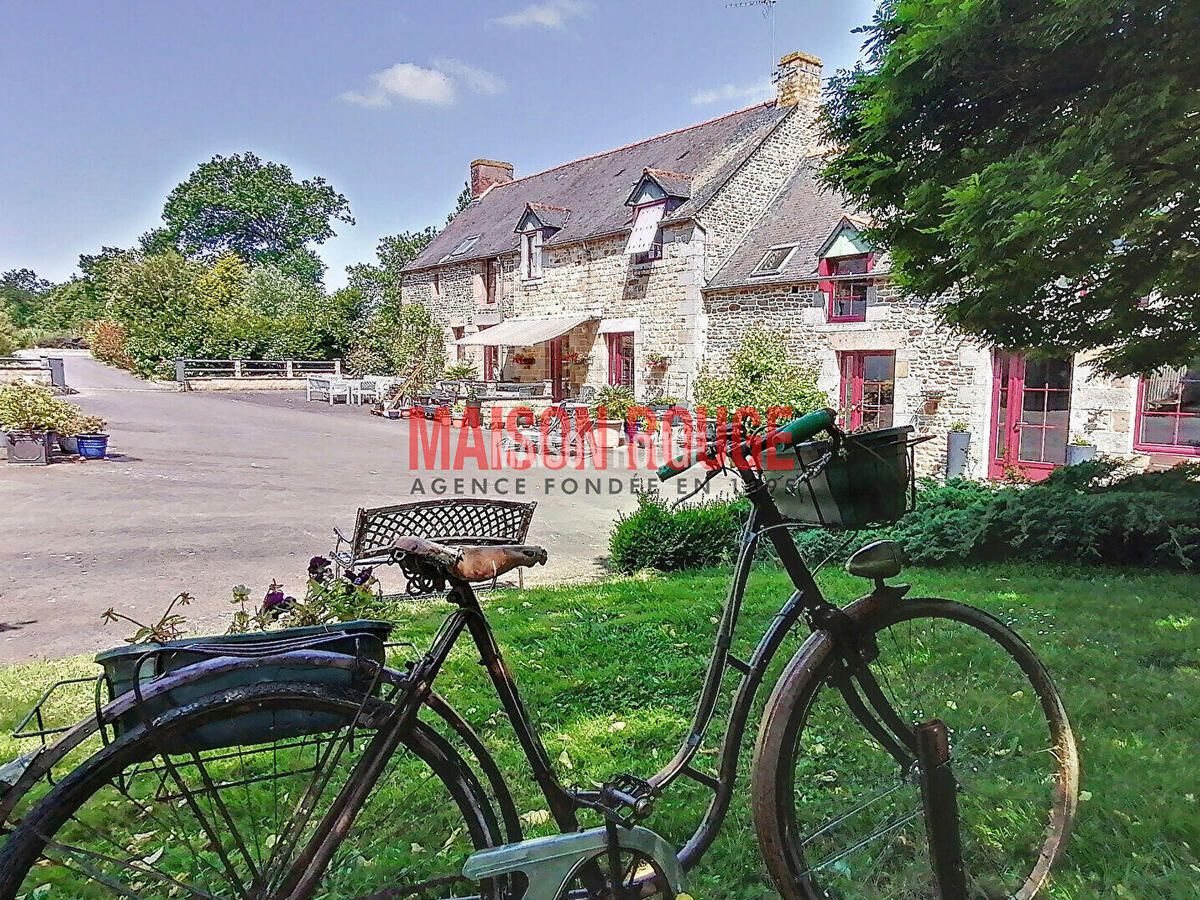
525 332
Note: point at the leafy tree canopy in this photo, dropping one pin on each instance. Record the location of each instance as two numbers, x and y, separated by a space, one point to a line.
22 293
379 283
253 208
1037 158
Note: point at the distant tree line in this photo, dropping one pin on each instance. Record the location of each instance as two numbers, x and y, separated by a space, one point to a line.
231 274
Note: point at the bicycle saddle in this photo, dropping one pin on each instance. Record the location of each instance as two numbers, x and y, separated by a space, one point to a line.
471 563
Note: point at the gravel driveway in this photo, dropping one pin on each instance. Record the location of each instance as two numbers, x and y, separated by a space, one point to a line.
209 490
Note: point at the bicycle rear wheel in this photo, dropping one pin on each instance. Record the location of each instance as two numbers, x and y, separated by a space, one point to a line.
838 816
147 817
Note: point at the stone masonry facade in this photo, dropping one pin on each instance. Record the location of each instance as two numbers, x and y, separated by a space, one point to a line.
680 307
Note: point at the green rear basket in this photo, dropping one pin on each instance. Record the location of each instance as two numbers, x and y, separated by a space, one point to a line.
146 662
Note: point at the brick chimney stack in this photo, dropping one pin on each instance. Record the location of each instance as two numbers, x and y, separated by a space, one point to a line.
798 79
486 172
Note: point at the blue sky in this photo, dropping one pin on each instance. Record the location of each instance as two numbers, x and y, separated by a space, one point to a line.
109 105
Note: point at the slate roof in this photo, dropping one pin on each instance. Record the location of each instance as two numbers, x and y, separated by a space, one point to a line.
550 216
676 184
595 188
804 214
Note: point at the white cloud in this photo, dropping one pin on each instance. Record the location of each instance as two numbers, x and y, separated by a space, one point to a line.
550 14
477 80
436 86
759 90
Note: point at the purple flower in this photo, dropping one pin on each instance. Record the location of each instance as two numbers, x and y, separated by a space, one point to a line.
358 579
318 567
275 603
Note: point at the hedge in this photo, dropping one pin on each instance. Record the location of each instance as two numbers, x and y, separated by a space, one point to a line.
1097 512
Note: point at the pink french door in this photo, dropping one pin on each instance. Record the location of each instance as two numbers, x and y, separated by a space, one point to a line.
1031 416
868 392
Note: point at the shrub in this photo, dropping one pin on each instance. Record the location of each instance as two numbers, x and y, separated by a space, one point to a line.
10 337
1095 512
107 338
25 406
697 536
760 375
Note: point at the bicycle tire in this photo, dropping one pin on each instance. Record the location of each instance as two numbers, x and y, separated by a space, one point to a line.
25 850
802 725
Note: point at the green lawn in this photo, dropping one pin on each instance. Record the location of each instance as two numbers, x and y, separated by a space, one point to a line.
610 671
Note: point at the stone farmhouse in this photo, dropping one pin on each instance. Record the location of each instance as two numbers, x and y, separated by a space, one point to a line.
644 265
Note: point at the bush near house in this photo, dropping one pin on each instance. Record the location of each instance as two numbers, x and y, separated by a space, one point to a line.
760 375
1095 512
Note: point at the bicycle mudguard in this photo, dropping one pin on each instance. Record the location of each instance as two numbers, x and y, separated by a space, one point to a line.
549 863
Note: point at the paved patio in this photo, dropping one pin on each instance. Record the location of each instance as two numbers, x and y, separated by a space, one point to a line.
209 490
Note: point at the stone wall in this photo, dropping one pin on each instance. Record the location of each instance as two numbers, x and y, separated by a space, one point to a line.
941 377
661 299
728 216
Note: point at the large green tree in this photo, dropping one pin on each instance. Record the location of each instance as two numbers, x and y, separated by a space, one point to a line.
22 293
254 208
1038 161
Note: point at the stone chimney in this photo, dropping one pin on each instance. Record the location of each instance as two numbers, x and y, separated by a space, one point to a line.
798 79
486 172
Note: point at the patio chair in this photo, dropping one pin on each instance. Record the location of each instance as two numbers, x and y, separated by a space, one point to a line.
466 521
371 389
327 389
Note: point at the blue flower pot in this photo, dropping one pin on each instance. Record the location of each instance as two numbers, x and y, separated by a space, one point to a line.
93 446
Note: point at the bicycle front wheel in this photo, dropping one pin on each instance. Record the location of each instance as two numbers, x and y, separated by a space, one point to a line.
839 816
152 816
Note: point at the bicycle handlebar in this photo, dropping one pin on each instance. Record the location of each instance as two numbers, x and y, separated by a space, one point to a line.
793 432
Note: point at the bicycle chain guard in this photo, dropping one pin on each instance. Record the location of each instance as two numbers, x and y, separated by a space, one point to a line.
550 863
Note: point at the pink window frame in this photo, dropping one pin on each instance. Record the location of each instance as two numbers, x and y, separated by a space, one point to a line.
614 358
825 266
459 332
1170 449
855 361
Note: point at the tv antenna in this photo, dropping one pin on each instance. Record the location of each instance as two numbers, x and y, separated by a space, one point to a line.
768 9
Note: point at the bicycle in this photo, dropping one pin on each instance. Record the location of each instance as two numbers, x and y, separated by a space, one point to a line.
910 747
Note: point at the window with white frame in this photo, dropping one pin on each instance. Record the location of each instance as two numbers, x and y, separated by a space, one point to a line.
531 254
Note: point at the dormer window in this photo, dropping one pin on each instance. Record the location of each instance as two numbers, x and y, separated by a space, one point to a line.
645 240
537 224
774 260
848 297
846 259
531 254
656 193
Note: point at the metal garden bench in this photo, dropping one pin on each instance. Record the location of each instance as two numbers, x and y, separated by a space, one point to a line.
457 521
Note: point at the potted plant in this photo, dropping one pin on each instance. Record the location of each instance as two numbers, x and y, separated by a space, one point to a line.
615 400
474 405
657 362
92 439
29 415
1080 450
663 404
574 358
958 442
523 359
461 371
68 431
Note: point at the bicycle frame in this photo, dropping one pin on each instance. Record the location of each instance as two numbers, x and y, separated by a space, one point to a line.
806 602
